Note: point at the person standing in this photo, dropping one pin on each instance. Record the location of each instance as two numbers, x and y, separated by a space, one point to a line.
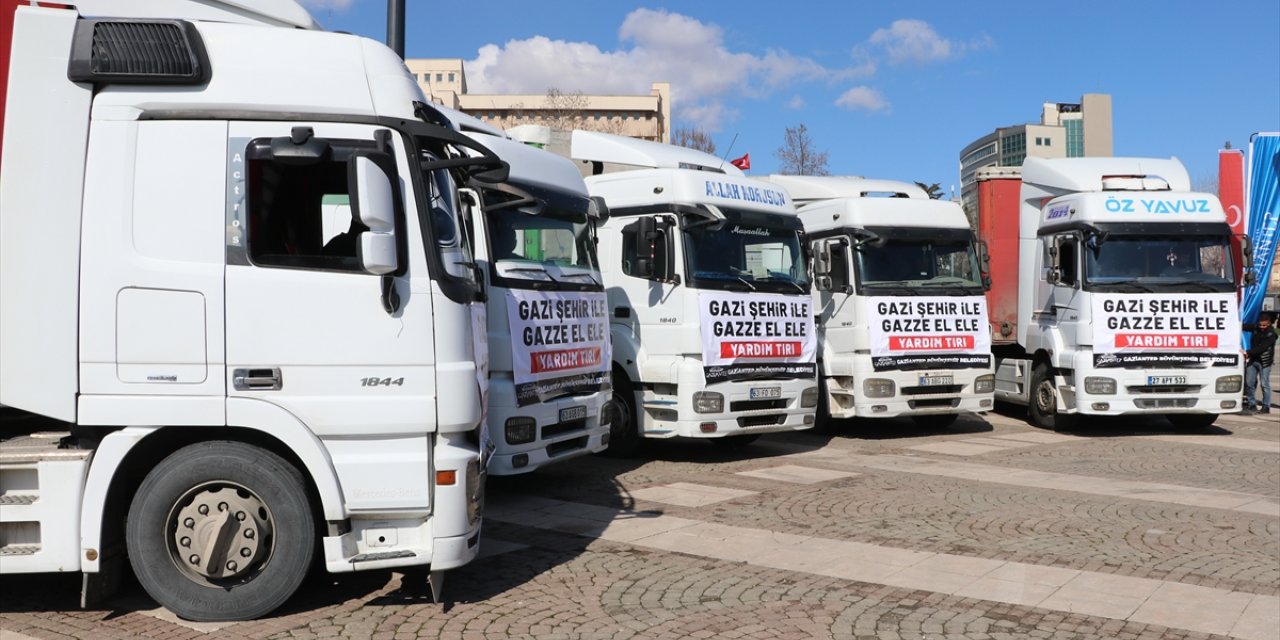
1259 358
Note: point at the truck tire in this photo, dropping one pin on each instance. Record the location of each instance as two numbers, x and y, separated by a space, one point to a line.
1192 421
221 531
1042 409
624 430
935 420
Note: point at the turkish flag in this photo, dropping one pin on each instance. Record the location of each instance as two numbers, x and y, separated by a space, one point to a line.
743 163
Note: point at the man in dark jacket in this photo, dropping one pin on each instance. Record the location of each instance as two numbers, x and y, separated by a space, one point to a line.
1260 357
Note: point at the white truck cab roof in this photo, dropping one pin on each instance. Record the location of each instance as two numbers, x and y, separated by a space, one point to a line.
530 165
275 13
834 202
594 146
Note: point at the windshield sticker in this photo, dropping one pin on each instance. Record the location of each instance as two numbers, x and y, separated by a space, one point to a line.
1164 330
559 343
757 336
932 332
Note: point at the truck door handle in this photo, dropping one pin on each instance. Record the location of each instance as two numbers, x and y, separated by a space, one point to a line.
264 379
622 312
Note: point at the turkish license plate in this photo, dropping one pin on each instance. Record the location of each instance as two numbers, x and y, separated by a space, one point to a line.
765 393
935 381
1159 380
573 413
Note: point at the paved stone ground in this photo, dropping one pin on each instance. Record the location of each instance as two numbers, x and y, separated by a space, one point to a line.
1192 522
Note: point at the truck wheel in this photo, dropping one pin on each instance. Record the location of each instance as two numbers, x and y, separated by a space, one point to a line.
624 431
1192 421
935 420
1043 408
221 531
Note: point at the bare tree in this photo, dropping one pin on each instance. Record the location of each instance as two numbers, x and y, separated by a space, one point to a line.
934 190
560 111
798 155
693 138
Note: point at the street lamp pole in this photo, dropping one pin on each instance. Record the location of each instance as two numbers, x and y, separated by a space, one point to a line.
395 26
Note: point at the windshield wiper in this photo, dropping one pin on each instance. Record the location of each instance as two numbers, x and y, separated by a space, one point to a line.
541 270
783 280
584 274
1133 284
1206 286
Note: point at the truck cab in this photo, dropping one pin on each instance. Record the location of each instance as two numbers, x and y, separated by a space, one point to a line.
902 319
708 296
1126 297
235 325
548 324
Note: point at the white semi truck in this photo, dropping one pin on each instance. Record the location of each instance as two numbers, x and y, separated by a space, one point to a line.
902 317
205 368
548 323
708 295
1125 296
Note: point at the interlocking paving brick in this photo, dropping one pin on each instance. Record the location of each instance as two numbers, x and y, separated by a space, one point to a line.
686 494
956 448
1106 595
797 474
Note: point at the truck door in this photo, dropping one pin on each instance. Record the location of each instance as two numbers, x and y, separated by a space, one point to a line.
308 328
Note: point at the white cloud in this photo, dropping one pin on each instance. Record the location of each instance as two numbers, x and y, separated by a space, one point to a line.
334 5
796 102
911 41
915 41
863 98
658 46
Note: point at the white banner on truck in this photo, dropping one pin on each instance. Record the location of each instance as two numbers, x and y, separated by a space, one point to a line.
559 343
746 336
1165 329
928 332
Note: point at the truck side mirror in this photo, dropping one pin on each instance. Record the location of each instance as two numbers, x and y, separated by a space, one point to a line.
599 210
822 262
1054 276
984 264
646 247
374 202
1246 257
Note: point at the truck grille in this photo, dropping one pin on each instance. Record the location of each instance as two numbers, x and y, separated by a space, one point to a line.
1164 403
932 390
760 421
758 405
1166 388
933 403
557 448
558 428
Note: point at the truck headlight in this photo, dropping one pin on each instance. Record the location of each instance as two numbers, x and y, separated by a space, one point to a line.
985 384
1228 384
878 388
708 402
520 430
1100 386
809 398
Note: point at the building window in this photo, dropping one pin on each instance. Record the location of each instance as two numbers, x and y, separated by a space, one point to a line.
439 77
450 76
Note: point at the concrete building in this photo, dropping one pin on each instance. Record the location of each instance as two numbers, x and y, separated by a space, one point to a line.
1066 130
648 117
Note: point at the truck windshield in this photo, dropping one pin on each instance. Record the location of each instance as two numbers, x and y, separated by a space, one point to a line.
541 238
745 253
1147 263
916 264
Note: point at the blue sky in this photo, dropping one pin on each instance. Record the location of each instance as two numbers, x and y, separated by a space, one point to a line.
889 89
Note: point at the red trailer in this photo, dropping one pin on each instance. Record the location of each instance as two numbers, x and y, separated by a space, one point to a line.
998 189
